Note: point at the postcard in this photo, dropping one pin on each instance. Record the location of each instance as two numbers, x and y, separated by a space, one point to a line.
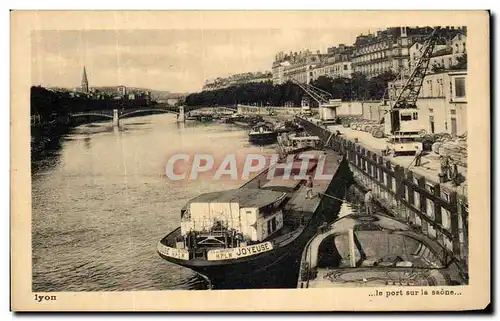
250 160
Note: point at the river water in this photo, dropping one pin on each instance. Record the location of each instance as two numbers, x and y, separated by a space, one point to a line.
103 201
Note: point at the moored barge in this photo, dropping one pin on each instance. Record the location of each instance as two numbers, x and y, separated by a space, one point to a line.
252 237
375 250
262 133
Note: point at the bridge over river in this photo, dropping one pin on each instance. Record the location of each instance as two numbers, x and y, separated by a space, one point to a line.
115 114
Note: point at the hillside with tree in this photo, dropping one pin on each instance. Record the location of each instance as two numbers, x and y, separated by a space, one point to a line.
289 94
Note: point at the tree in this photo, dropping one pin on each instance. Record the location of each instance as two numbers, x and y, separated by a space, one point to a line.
359 85
461 62
437 67
323 82
263 94
342 88
378 84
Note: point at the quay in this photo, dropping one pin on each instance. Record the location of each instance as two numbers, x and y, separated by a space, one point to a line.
411 194
414 195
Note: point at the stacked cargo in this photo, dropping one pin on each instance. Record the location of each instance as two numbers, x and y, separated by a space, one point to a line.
369 126
349 121
456 149
377 131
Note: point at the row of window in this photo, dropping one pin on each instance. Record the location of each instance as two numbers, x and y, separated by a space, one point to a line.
459 48
376 65
300 77
444 61
419 46
399 52
372 70
430 85
373 56
335 68
297 70
374 47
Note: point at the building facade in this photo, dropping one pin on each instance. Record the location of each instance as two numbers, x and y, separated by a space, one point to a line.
442 102
121 90
386 50
237 79
335 64
278 72
374 54
342 64
299 66
445 54
281 60
333 69
322 69
300 72
459 42
389 50
302 65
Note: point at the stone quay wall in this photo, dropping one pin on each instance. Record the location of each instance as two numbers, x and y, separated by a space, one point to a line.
429 207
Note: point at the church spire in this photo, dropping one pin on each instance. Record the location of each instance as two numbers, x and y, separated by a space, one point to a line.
85 82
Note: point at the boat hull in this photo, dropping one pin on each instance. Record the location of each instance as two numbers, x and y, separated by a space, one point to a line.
264 138
267 270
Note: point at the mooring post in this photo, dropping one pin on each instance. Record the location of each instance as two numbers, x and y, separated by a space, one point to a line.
116 118
181 117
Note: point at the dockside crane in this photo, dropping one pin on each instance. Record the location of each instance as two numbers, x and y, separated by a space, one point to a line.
402 125
327 105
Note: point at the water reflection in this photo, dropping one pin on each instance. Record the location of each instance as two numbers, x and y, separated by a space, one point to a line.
104 203
100 209
87 141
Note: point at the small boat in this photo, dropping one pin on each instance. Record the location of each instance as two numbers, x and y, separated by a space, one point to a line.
225 120
247 121
286 127
262 133
293 142
375 250
253 120
191 116
237 117
206 118
239 120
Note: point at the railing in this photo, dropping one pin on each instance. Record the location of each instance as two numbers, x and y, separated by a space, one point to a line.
435 210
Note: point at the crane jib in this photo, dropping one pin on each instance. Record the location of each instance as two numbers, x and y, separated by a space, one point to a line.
319 95
407 98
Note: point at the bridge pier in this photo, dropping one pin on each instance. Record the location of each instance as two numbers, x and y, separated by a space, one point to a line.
116 118
181 117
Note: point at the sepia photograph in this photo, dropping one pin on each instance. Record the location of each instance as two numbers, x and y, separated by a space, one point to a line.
318 154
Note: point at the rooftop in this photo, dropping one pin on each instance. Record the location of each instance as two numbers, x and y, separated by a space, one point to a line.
442 52
245 197
412 32
280 182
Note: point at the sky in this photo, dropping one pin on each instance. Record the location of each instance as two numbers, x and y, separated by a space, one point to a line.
170 60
